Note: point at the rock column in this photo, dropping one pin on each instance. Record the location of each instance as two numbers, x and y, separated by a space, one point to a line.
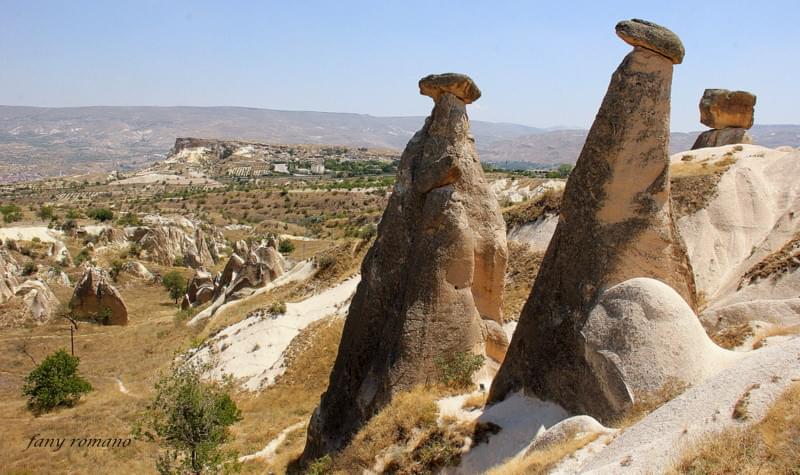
431 284
615 224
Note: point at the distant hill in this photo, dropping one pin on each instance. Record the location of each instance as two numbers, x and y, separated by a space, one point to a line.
564 146
37 142
47 141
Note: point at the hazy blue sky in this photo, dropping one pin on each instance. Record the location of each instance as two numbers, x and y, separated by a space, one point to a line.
538 63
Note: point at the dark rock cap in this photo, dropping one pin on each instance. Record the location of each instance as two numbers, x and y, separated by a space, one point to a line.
459 85
651 36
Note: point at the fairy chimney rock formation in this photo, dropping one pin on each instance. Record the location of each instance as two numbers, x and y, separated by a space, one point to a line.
431 283
729 114
95 297
615 224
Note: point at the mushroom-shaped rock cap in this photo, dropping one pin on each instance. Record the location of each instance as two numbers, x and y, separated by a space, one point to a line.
651 36
459 85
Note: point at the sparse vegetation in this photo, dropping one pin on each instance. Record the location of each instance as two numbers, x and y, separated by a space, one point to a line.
190 420
456 369
11 213
55 382
770 446
646 403
277 308
100 214
531 210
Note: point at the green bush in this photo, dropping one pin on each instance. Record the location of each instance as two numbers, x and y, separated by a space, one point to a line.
456 370
29 268
116 269
320 466
55 383
277 308
129 219
286 246
11 213
83 256
46 213
190 420
100 214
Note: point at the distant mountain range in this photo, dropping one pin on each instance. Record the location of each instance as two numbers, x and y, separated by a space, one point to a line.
37 142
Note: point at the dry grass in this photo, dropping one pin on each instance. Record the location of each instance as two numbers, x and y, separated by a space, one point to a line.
710 165
694 182
644 404
402 419
784 260
542 461
732 337
776 330
475 401
523 265
770 446
291 399
533 209
134 353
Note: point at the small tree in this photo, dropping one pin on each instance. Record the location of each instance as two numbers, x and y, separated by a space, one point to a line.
175 284
46 213
190 419
55 383
286 246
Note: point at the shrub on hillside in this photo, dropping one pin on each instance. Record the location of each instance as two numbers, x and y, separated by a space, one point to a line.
286 246
456 370
55 382
100 214
190 420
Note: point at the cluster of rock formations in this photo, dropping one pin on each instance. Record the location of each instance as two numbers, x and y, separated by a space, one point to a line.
611 317
431 283
240 277
37 300
729 114
95 297
167 240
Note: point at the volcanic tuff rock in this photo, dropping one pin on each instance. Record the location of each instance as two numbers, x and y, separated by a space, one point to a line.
729 114
138 270
615 224
8 282
94 296
718 138
721 108
642 336
431 283
200 289
239 278
38 298
165 244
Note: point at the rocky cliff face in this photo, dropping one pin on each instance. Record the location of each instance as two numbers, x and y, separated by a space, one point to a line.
615 224
432 282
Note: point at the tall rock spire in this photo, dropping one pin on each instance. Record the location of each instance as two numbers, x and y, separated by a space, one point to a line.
615 224
431 284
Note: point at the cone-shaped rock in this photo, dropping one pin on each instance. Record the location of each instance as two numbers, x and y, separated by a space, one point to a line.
616 224
432 282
